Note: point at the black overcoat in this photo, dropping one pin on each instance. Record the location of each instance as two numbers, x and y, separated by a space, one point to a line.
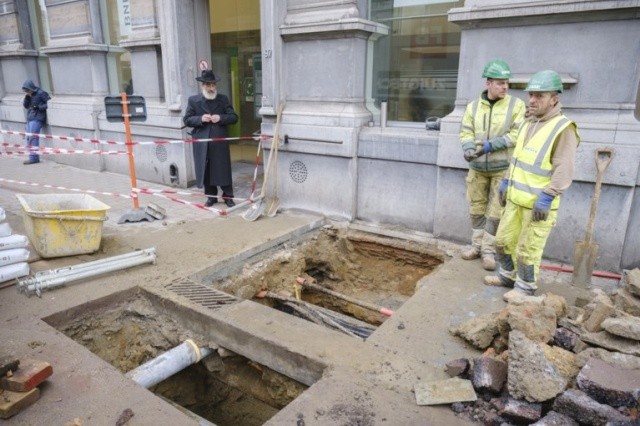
214 155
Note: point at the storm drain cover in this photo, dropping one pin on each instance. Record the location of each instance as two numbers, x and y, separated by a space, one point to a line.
201 294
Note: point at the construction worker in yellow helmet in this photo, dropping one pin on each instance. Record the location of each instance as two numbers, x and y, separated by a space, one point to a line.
487 135
541 169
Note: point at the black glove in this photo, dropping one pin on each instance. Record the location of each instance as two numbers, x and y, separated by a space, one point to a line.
470 154
35 107
541 207
502 192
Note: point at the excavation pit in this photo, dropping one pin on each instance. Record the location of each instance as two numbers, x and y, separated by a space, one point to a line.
130 328
378 271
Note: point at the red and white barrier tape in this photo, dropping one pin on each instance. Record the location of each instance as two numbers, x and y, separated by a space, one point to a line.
87 191
110 142
58 151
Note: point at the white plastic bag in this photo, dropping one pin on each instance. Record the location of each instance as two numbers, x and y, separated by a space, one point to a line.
5 229
7 257
16 270
13 241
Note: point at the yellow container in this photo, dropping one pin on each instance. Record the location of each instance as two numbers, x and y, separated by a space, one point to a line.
63 224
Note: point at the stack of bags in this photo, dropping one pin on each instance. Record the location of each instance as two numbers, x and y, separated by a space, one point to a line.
13 252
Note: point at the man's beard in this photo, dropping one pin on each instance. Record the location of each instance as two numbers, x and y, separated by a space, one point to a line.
209 96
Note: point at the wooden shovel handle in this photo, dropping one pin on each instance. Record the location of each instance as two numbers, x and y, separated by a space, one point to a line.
603 158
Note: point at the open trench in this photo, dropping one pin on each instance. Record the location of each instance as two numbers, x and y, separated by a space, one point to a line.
226 388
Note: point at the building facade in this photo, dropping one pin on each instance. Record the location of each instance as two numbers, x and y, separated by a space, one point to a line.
358 79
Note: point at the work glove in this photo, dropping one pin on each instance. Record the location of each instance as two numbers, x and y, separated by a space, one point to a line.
483 149
470 154
541 207
502 192
35 107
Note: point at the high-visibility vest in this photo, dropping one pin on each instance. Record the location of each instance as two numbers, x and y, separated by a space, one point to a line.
531 169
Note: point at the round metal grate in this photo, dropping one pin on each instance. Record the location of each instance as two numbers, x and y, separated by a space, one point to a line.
161 153
298 171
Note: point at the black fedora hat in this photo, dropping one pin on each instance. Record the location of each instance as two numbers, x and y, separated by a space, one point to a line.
207 76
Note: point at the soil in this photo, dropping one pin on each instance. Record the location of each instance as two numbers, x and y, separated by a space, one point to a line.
226 391
376 270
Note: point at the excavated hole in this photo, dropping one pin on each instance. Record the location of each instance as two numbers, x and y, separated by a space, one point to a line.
377 270
224 388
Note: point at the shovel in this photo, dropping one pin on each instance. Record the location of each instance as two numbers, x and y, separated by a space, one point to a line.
586 251
256 210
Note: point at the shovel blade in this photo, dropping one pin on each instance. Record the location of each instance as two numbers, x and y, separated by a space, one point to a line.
254 212
584 261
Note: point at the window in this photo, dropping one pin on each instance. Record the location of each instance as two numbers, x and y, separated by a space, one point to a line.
415 66
119 60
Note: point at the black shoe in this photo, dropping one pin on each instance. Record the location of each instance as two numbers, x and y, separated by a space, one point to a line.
211 201
30 162
229 202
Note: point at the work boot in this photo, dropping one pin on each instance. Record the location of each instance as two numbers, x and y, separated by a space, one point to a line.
518 296
471 253
489 262
497 281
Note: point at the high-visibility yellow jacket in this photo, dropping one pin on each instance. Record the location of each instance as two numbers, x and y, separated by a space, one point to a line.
531 168
497 123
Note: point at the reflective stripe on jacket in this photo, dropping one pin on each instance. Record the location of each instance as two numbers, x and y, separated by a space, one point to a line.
483 122
531 168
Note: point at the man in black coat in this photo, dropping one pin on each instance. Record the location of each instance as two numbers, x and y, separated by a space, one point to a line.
209 113
35 102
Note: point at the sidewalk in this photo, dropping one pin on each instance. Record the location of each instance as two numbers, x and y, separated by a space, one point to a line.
371 382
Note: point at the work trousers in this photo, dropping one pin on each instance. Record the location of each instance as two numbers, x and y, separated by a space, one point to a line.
34 126
484 208
520 243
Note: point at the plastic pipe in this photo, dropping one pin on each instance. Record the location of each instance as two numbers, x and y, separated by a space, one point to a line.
169 363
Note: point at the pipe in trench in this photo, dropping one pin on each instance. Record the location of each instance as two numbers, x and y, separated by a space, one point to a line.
167 364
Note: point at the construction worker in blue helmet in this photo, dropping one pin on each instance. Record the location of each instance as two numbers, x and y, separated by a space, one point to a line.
487 136
541 169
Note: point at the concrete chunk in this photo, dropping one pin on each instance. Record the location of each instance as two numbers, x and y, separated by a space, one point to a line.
601 311
627 302
627 327
609 384
611 342
632 280
444 392
478 331
614 358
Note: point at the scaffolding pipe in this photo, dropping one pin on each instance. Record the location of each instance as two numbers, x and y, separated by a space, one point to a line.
169 363
65 270
38 284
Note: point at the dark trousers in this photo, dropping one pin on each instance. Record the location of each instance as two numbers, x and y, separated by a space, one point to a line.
212 191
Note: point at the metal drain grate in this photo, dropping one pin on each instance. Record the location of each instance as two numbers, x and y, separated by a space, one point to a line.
161 153
298 171
202 295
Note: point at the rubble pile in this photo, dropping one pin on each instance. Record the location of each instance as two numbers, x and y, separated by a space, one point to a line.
547 363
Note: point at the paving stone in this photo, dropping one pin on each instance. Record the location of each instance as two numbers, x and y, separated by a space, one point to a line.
555 419
522 411
565 338
444 392
458 367
609 384
11 403
580 407
30 374
489 374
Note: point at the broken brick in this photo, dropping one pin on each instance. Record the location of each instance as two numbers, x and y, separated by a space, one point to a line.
29 375
489 374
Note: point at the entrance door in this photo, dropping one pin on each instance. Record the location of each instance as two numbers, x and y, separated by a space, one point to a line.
235 54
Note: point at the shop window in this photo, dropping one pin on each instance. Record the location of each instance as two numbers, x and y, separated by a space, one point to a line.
119 59
415 66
